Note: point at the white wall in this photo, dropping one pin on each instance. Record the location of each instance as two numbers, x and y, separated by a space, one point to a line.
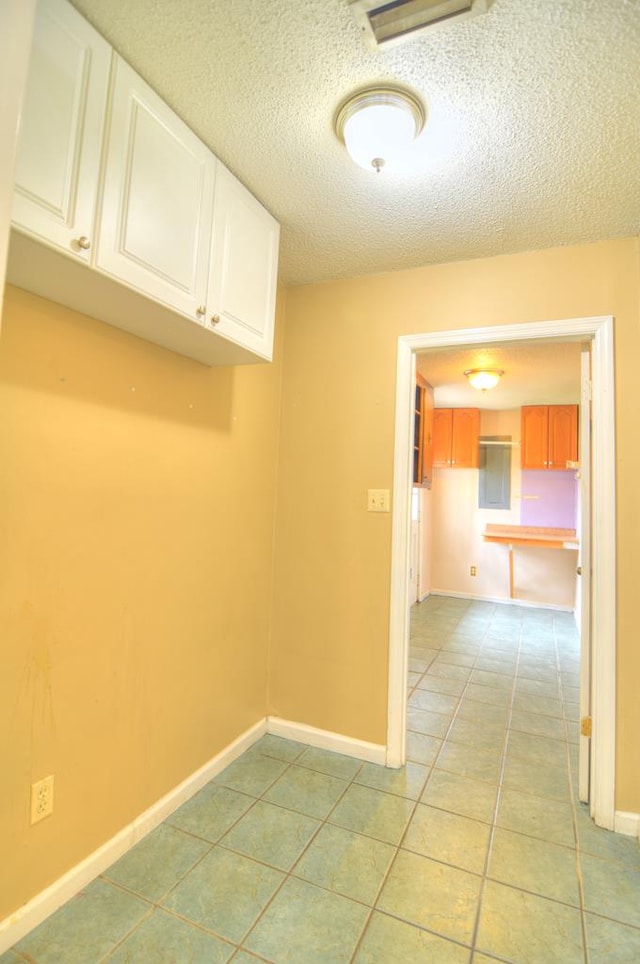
542 576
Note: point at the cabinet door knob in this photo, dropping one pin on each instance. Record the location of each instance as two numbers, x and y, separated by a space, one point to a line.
84 243
201 310
215 319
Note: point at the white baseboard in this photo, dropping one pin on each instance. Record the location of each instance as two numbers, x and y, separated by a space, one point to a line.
528 603
14 927
627 823
327 740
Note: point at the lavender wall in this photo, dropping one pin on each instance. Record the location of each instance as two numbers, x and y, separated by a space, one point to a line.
553 498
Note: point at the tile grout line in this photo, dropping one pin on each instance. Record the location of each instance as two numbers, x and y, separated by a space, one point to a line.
485 873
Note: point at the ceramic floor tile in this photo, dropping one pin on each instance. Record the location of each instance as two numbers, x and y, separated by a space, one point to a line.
604 843
521 927
536 778
158 862
307 791
548 726
538 687
164 939
305 923
489 736
225 893
448 837
251 773
457 659
379 815
441 684
538 749
537 704
346 863
271 834
424 721
432 895
408 781
450 671
481 713
459 794
539 866
536 816
211 812
278 747
387 939
611 889
495 681
334 764
422 748
572 711
86 928
437 702
488 694
470 761
609 941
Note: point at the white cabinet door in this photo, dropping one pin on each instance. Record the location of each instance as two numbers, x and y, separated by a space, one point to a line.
155 222
58 162
243 267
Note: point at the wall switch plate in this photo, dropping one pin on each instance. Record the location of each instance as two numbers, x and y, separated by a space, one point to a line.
41 799
473 570
378 500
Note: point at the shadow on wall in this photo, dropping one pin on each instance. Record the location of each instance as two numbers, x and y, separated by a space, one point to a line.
68 354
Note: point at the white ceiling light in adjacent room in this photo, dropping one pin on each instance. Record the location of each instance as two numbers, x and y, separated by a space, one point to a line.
484 378
378 126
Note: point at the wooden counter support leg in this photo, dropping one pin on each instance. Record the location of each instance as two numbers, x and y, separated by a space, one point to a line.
511 588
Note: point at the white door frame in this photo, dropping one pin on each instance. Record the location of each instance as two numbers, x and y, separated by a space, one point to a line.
599 331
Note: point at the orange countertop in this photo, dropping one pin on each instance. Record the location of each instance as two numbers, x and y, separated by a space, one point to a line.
550 537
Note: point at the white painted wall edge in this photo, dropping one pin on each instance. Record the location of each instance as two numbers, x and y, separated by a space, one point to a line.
327 740
627 823
14 927
502 601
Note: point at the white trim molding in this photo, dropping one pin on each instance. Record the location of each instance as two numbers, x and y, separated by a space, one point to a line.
599 332
14 927
627 823
327 740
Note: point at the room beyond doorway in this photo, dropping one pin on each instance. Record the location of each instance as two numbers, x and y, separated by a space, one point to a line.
599 331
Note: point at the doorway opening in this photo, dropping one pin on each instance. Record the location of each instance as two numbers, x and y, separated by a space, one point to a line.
598 332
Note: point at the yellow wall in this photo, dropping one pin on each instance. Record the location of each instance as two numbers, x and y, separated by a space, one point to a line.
136 531
328 663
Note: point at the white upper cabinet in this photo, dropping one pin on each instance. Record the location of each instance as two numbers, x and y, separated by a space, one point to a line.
61 130
243 267
122 213
155 222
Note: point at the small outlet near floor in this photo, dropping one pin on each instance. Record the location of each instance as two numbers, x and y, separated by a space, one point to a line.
41 799
378 500
473 570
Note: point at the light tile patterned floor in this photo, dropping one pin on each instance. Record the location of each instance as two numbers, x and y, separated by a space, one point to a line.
475 852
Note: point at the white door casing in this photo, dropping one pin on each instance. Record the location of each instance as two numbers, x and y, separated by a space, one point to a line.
599 331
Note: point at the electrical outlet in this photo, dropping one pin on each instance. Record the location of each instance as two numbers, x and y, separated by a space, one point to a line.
473 570
378 500
41 799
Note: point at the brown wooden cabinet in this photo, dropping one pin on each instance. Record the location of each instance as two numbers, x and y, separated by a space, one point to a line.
423 434
455 437
549 436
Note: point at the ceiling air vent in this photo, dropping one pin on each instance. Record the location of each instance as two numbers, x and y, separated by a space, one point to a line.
401 20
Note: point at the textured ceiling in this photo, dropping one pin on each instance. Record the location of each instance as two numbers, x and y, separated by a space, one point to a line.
534 373
532 137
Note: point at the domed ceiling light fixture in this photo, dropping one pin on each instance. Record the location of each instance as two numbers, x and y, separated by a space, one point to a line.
378 125
484 378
